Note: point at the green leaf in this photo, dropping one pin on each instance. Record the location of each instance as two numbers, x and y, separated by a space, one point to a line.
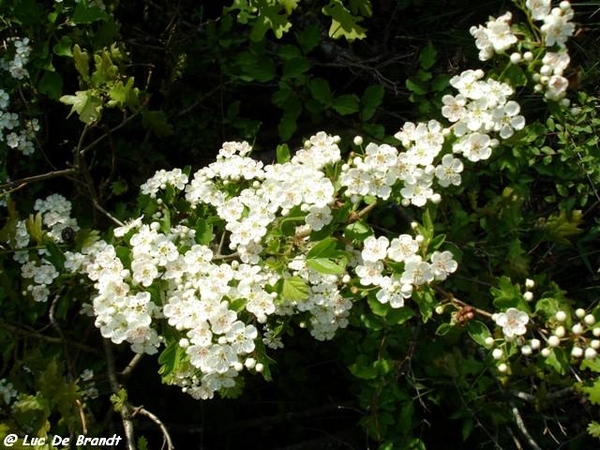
122 95
371 99
346 104
425 300
82 62
294 289
363 368
204 232
51 84
378 308
57 257
594 429
294 68
593 391
156 121
592 364
559 361
507 295
479 332
283 153
320 90
291 110
85 104
358 231
288 51
170 359
361 7
63 47
343 23
88 14
428 56
328 266
559 228
34 228
515 75
256 67
415 85
309 38
397 316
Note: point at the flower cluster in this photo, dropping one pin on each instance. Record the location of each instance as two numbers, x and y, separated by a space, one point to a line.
20 57
396 287
222 304
22 139
7 391
497 38
53 217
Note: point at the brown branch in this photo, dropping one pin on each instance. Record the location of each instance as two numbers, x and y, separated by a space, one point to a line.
452 299
18 184
49 339
166 437
132 364
115 386
521 425
84 150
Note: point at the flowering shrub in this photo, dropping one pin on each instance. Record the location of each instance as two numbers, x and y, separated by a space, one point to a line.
215 269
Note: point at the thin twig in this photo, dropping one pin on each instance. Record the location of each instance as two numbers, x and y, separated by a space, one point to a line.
81 417
63 339
450 297
84 150
107 214
134 362
24 181
49 339
166 437
116 387
521 425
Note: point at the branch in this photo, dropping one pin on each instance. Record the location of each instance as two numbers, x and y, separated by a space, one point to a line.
116 387
166 437
49 339
134 362
521 425
452 299
18 184
84 150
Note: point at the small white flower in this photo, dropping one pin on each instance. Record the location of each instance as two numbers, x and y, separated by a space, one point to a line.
513 322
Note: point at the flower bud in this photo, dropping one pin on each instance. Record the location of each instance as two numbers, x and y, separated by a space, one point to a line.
561 316
580 312
358 140
502 368
526 350
577 352
497 353
535 344
528 296
528 56
489 341
560 331
259 367
553 341
589 319
590 353
529 283
577 328
515 58
546 352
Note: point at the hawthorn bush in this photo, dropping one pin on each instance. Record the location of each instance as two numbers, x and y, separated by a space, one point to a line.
414 249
